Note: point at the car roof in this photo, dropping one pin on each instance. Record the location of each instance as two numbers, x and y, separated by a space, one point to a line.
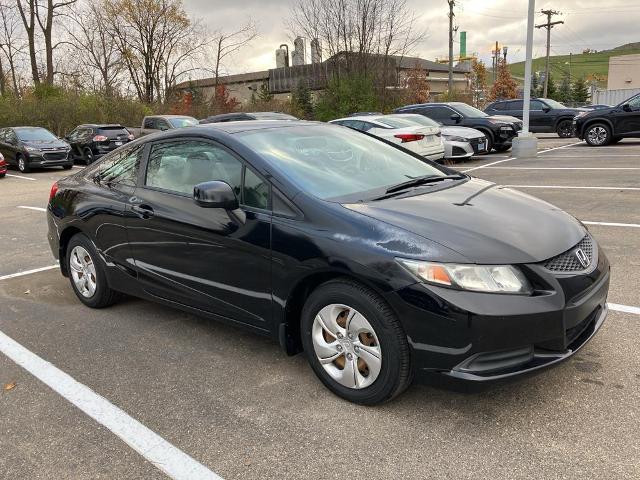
100 125
363 118
244 126
26 127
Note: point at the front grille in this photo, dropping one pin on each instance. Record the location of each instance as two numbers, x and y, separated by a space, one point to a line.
457 151
55 156
569 261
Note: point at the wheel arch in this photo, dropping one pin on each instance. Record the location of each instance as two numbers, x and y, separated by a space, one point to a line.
590 122
561 119
65 236
289 322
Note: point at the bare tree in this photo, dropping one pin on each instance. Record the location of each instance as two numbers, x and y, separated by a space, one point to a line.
226 43
156 41
46 15
28 9
92 41
11 43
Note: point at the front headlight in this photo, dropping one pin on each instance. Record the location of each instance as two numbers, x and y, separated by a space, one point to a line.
581 114
31 149
506 128
453 138
477 278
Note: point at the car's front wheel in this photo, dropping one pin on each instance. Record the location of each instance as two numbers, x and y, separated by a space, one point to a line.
597 135
88 157
502 148
23 166
87 275
564 129
355 343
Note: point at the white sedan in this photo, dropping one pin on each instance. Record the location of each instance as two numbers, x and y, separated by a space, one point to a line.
425 140
459 142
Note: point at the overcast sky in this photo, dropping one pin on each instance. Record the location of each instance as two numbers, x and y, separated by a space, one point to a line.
588 24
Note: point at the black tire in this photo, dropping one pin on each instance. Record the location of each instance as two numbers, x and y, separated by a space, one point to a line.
22 164
2 175
67 167
564 128
502 148
87 156
489 141
395 372
103 296
597 135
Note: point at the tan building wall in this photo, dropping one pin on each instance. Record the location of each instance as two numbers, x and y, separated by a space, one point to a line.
624 72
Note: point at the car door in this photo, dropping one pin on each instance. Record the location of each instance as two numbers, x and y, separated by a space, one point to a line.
205 258
106 201
543 117
12 145
440 113
627 117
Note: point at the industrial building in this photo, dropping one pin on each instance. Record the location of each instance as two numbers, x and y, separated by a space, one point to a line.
286 76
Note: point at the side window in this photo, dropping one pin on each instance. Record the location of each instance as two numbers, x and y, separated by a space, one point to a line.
180 165
255 192
3 135
498 106
634 103
11 137
438 113
366 126
536 105
121 167
148 123
74 133
516 105
161 124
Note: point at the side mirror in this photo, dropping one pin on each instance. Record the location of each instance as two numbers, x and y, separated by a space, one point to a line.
456 117
546 109
215 194
626 107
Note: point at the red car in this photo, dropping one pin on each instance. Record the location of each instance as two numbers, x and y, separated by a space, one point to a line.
3 166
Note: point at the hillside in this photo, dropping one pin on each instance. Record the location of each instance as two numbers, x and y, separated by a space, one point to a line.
585 65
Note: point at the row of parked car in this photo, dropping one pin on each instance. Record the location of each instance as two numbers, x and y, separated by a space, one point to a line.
450 131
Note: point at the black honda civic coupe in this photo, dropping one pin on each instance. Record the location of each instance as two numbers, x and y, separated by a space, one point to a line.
378 265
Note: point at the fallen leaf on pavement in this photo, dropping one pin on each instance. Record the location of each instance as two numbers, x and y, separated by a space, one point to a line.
9 386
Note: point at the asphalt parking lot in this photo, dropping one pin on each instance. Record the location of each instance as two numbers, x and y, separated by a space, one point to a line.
230 402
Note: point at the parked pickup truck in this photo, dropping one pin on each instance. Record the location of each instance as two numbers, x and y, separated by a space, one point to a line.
159 123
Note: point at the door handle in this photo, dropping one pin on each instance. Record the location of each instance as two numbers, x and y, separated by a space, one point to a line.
143 211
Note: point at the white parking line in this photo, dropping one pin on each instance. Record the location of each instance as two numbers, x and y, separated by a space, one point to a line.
564 168
38 209
623 308
28 272
614 224
589 156
19 176
572 187
163 455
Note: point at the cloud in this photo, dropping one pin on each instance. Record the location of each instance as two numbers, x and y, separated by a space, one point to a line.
587 25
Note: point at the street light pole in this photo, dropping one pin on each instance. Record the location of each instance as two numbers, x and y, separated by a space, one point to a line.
526 144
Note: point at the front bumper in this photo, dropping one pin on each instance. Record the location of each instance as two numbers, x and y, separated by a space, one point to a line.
49 160
483 338
462 150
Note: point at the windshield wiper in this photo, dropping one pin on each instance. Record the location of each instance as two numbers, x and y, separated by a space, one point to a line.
414 182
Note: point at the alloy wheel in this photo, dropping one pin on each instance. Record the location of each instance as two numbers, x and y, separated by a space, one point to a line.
565 129
597 135
346 346
21 164
83 271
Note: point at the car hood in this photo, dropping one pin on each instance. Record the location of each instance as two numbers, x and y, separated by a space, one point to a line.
465 132
45 143
505 118
484 222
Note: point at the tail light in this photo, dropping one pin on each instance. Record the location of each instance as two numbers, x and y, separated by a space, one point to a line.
409 137
131 137
100 138
54 190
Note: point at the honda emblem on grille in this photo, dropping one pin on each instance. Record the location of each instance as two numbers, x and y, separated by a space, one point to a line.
582 258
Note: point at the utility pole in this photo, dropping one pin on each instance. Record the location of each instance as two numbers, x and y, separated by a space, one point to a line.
451 3
549 25
496 60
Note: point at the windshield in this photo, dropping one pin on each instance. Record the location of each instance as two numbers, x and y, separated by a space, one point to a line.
552 103
34 134
468 110
331 162
418 119
272 116
182 122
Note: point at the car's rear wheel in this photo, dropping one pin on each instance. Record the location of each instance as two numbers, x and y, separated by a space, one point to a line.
68 166
597 135
355 343
564 129
23 166
87 275
88 157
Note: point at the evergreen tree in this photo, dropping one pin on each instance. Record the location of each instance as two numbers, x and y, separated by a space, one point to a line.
580 91
301 100
263 93
535 85
564 93
552 90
